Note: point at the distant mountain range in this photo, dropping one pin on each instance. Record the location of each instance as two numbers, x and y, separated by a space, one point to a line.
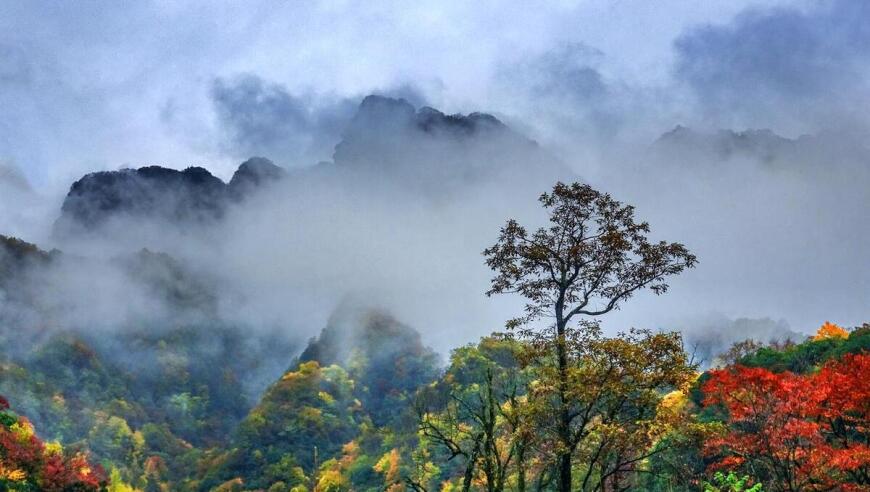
387 139
762 145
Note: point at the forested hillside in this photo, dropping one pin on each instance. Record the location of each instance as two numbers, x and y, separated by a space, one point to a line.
788 417
434 246
366 405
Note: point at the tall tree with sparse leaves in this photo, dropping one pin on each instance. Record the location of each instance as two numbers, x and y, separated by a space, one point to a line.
592 257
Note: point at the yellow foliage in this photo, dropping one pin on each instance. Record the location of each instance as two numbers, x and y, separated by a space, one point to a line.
53 448
351 448
388 465
449 486
674 401
326 397
330 481
234 485
311 413
22 430
12 475
116 484
830 330
349 453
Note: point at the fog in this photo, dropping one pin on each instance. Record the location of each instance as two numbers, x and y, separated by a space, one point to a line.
391 204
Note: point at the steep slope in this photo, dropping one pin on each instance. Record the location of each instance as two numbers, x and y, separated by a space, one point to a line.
359 375
385 358
138 389
17 258
388 142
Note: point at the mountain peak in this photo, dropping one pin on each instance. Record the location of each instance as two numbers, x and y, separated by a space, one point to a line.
252 174
387 112
191 196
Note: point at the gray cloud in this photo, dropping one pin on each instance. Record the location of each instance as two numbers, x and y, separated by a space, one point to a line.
260 118
778 66
92 87
257 117
568 72
710 336
567 81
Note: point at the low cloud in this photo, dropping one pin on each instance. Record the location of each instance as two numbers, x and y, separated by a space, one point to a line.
709 337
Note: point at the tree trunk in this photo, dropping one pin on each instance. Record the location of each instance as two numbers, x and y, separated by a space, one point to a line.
564 428
469 470
521 468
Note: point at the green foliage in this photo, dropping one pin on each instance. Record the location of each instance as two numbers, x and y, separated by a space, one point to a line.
387 361
732 483
304 419
78 392
810 354
477 412
352 423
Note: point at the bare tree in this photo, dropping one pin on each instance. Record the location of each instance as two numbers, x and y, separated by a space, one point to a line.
592 257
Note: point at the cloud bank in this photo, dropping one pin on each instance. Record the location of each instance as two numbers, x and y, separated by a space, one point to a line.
404 197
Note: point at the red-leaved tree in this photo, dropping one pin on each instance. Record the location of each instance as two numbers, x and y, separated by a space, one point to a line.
27 463
795 432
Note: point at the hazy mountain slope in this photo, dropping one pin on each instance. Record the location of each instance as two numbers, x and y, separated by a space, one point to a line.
360 374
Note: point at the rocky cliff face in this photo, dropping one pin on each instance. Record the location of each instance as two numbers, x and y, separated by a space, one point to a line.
189 197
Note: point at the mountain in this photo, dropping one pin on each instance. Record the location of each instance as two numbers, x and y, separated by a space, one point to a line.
390 139
725 144
126 351
387 141
251 175
187 198
358 376
16 256
21 266
176 367
762 145
386 358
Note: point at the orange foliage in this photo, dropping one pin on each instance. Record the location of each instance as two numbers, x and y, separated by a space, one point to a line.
830 330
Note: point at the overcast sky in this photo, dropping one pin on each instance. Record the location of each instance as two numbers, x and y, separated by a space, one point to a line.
90 86
87 85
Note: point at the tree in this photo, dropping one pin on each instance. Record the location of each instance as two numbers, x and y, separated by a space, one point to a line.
797 432
732 483
477 412
830 330
618 401
592 257
28 463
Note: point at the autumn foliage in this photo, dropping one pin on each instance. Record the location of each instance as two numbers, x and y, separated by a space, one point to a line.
796 432
27 463
830 330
